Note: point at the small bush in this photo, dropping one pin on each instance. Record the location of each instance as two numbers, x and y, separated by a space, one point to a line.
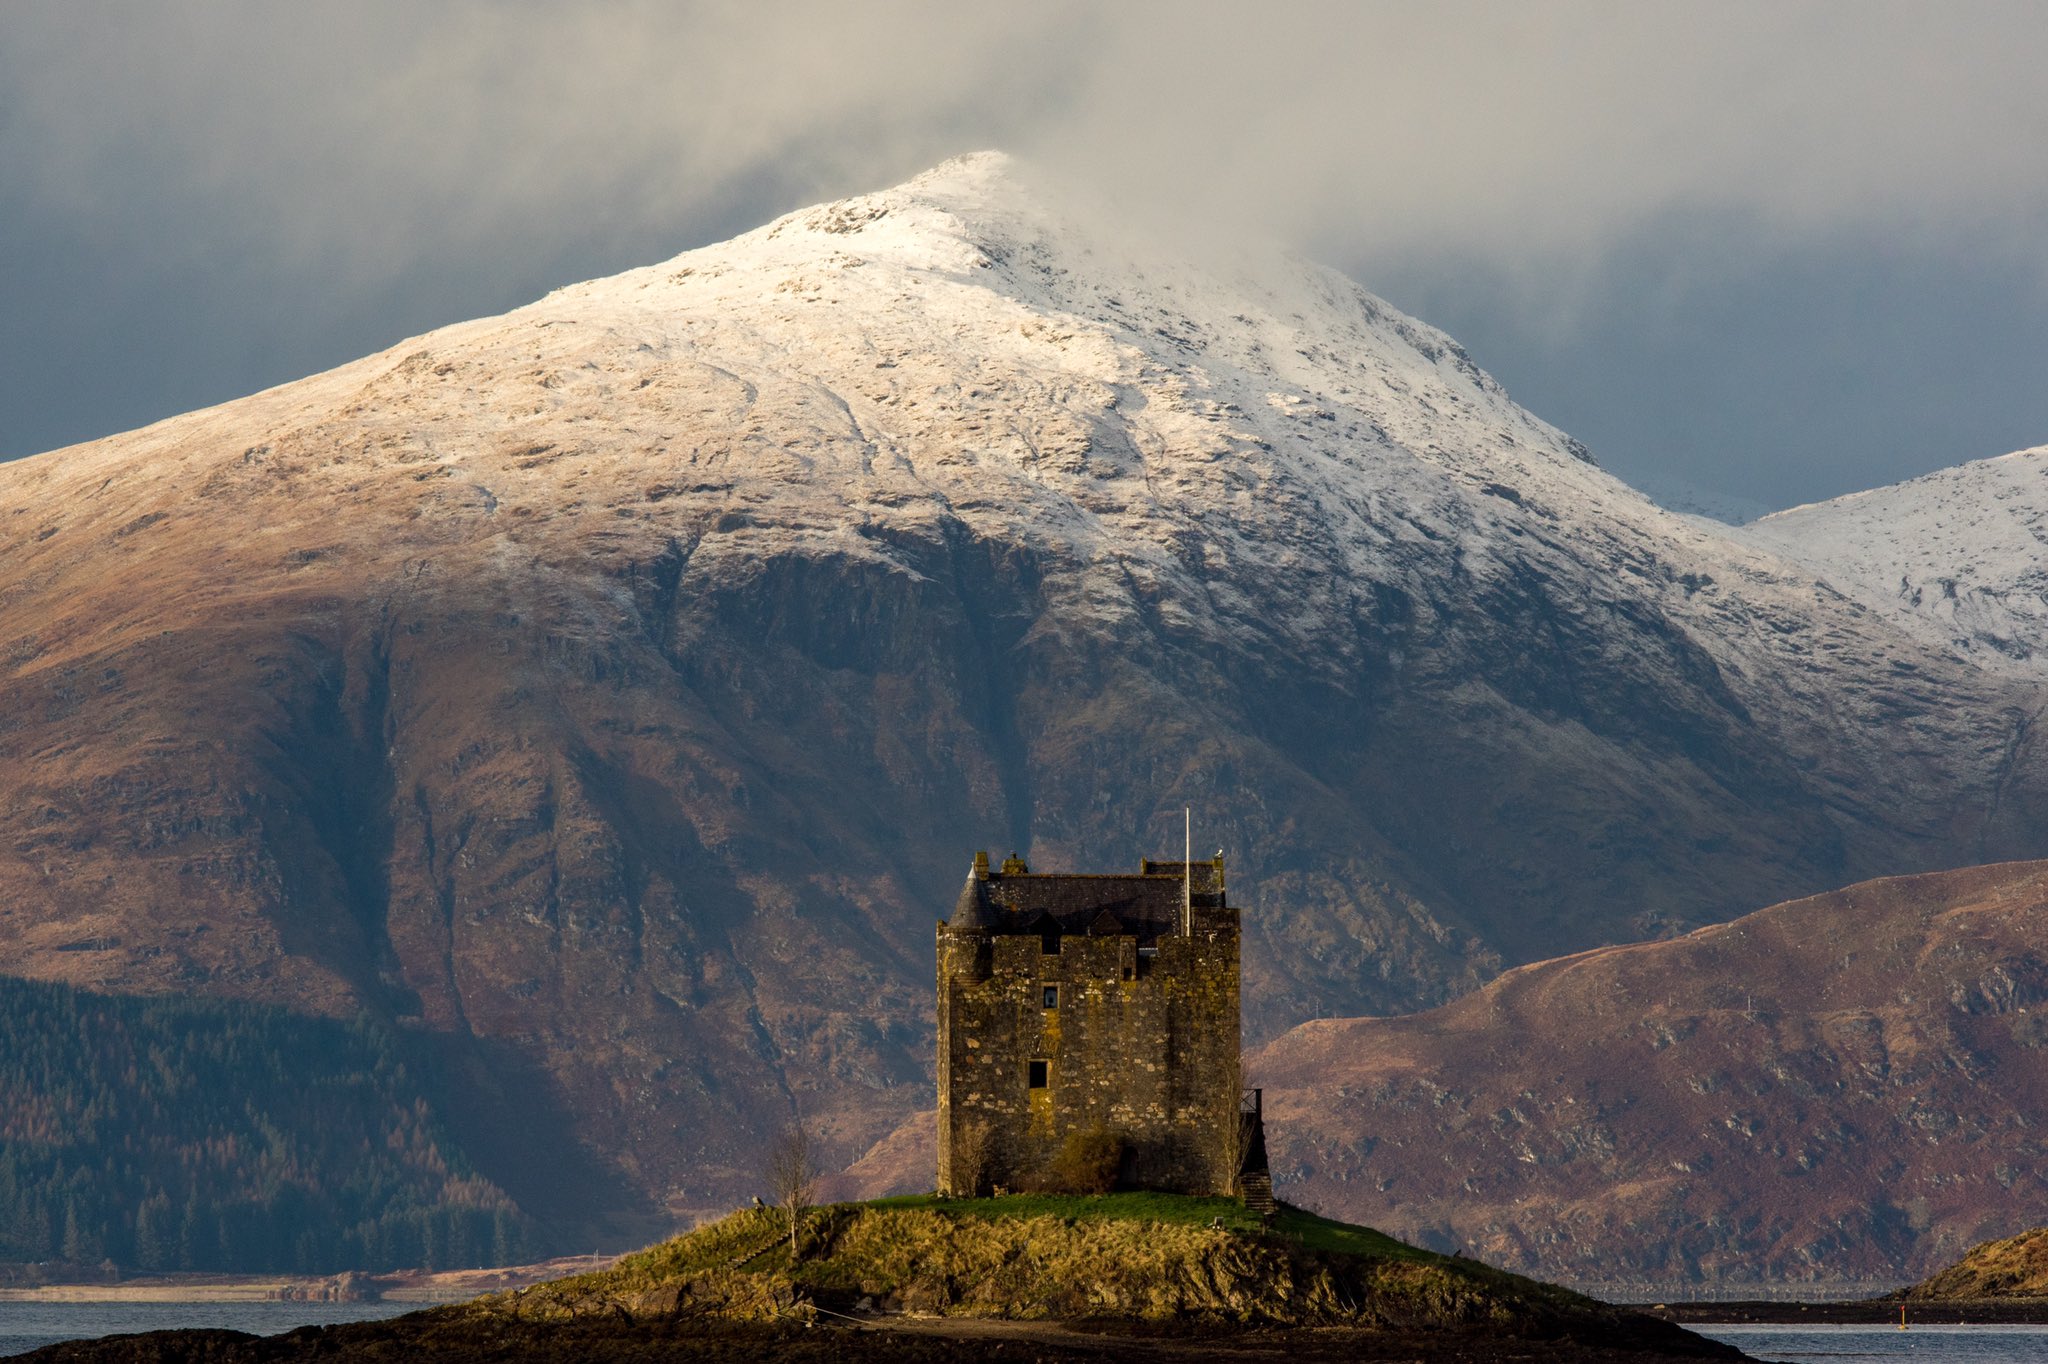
1086 1163
973 1158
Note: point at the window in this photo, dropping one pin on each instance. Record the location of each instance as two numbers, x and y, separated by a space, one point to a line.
1038 1073
1052 996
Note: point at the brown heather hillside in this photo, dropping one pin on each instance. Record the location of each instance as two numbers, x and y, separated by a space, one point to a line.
614 691
1851 1086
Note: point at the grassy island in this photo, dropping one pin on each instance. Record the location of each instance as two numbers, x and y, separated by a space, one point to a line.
1167 1277
1155 1257
1118 1259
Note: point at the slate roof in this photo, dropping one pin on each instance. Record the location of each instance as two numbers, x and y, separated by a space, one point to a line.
1145 904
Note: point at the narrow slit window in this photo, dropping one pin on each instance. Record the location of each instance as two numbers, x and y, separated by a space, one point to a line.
1039 1071
1052 996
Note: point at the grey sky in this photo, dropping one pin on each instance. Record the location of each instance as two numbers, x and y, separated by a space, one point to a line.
1776 251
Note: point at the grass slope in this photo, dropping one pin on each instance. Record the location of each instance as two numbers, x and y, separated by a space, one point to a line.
2016 1267
1135 1256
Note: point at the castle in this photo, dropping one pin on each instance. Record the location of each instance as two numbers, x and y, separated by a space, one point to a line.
1086 1004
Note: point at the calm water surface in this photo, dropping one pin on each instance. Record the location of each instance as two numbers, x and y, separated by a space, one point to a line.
1969 1344
31 1325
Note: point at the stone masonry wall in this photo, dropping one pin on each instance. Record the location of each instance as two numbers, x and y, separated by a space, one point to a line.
1143 1043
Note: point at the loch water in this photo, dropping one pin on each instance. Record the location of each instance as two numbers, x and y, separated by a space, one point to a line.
1929 1344
26 1326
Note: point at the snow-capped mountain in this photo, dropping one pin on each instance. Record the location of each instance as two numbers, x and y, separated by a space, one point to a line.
615 688
1960 556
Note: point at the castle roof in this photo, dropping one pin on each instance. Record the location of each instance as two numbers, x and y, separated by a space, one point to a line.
972 912
1147 904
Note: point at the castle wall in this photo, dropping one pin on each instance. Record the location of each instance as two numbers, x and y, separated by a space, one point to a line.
1143 1043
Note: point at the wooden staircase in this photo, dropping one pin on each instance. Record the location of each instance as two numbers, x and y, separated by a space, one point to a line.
1256 1188
1254 1176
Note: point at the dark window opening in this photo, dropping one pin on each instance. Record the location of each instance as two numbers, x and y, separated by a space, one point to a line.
1038 1073
1052 996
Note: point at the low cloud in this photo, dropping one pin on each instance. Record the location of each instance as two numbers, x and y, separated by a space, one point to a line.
470 147
360 132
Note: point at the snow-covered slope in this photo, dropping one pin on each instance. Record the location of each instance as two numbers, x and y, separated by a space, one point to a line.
1960 557
996 359
1257 454
621 682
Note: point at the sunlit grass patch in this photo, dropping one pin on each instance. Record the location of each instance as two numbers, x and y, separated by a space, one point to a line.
1135 1256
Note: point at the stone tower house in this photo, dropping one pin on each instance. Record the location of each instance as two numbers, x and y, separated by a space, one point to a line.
1070 1003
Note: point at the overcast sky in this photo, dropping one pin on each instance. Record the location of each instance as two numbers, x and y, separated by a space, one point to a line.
1773 251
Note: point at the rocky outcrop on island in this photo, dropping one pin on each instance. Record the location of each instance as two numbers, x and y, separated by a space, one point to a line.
611 692
1851 1086
2012 1267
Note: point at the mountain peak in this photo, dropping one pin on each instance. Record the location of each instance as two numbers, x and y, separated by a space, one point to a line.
971 174
1955 555
951 217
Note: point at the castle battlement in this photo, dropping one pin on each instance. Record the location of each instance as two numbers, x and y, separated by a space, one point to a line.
1069 1003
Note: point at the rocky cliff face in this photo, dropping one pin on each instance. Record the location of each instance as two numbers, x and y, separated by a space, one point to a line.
1849 1086
615 688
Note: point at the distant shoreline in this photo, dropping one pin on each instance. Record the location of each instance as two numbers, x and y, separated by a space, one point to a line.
156 1290
402 1286
1866 1312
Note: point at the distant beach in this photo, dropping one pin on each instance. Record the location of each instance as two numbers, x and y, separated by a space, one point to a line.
405 1287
